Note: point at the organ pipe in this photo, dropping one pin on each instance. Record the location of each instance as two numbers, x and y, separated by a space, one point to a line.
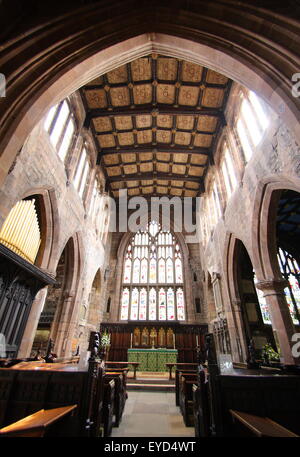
20 231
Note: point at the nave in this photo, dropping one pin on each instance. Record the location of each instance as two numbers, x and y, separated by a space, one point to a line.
188 107
152 414
96 398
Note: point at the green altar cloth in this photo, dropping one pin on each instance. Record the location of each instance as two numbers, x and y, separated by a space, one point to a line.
152 359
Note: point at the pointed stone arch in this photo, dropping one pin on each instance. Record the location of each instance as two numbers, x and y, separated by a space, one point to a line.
66 314
269 276
217 35
50 226
47 212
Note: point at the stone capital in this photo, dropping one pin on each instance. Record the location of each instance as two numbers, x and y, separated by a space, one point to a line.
272 286
67 294
236 302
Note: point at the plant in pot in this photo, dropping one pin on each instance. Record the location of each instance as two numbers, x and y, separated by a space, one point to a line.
105 345
269 356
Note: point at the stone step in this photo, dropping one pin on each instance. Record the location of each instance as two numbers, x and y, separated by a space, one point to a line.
150 381
151 387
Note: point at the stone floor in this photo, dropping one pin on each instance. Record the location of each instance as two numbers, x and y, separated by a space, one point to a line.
152 414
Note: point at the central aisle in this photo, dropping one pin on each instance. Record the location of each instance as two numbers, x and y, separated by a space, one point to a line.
152 414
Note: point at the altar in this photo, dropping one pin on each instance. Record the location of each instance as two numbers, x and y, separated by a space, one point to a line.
152 359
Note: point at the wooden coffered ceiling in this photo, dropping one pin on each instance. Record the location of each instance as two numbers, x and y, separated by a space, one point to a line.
155 123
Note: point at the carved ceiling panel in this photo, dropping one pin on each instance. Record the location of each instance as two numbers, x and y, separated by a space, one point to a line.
155 122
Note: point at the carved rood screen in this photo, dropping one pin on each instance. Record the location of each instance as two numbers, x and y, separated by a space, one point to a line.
152 277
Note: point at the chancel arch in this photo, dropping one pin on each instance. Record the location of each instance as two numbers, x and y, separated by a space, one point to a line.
278 278
213 51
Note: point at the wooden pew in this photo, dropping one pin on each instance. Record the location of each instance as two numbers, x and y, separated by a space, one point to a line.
261 426
186 382
252 392
28 387
201 407
68 360
38 423
177 374
113 365
108 406
276 397
180 366
120 394
25 391
123 371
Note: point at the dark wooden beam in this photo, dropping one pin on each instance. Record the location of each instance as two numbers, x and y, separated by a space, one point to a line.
153 176
149 109
154 149
166 186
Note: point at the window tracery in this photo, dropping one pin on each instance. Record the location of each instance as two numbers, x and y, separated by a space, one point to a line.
153 277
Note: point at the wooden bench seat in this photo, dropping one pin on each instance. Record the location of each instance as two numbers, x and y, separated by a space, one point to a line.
261 426
113 364
27 389
186 382
108 406
36 424
201 405
120 394
180 366
178 373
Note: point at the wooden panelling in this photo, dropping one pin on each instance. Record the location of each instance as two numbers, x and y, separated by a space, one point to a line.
173 108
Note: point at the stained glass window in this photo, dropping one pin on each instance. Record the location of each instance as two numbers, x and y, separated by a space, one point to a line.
180 304
162 305
136 270
134 304
143 305
152 304
170 304
291 271
125 304
127 271
153 277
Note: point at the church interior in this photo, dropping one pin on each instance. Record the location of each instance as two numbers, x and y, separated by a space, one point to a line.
149 218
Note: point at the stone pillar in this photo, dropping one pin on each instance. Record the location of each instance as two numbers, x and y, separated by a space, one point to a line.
237 332
32 323
61 333
282 324
188 290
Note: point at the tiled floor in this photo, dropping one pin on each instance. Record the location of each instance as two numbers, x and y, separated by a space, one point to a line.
150 414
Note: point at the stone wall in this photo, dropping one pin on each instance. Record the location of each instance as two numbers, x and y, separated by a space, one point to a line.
274 165
39 170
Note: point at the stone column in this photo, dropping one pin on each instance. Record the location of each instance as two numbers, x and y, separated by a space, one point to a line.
32 323
60 333
282 324
188 290
237 332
